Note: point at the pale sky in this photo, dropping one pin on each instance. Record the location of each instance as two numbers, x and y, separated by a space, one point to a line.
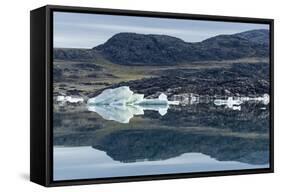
83 30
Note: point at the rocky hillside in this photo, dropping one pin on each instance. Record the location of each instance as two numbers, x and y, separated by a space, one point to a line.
241 79
139 49
73 54
256 36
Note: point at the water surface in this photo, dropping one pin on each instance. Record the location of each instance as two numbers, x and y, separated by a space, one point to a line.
186 139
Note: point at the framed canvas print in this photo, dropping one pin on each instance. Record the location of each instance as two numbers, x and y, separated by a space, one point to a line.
119 95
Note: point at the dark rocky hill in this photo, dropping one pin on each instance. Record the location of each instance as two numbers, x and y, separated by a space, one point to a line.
139 49
260 36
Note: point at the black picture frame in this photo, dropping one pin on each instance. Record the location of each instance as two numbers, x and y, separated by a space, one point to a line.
41 54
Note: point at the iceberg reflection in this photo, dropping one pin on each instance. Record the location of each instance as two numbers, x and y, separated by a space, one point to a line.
123 113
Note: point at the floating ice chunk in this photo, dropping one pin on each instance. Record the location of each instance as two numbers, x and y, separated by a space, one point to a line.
70 99
117 96
135 98
194 98
161 100
173 102
121 104
124 96
265 99
162 96
60 98
235 103
230 102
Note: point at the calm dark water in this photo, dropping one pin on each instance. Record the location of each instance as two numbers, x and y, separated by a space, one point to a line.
129 142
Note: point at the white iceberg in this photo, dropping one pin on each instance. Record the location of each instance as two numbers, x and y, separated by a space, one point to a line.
118 96
124 96
121 104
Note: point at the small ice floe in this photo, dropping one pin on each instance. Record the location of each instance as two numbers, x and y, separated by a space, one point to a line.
121 104
229 103
61 98
194 99
186 98
235 103
161 100
262 99
70 99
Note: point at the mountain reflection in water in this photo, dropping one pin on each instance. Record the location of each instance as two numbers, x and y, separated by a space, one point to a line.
85 163
220 133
